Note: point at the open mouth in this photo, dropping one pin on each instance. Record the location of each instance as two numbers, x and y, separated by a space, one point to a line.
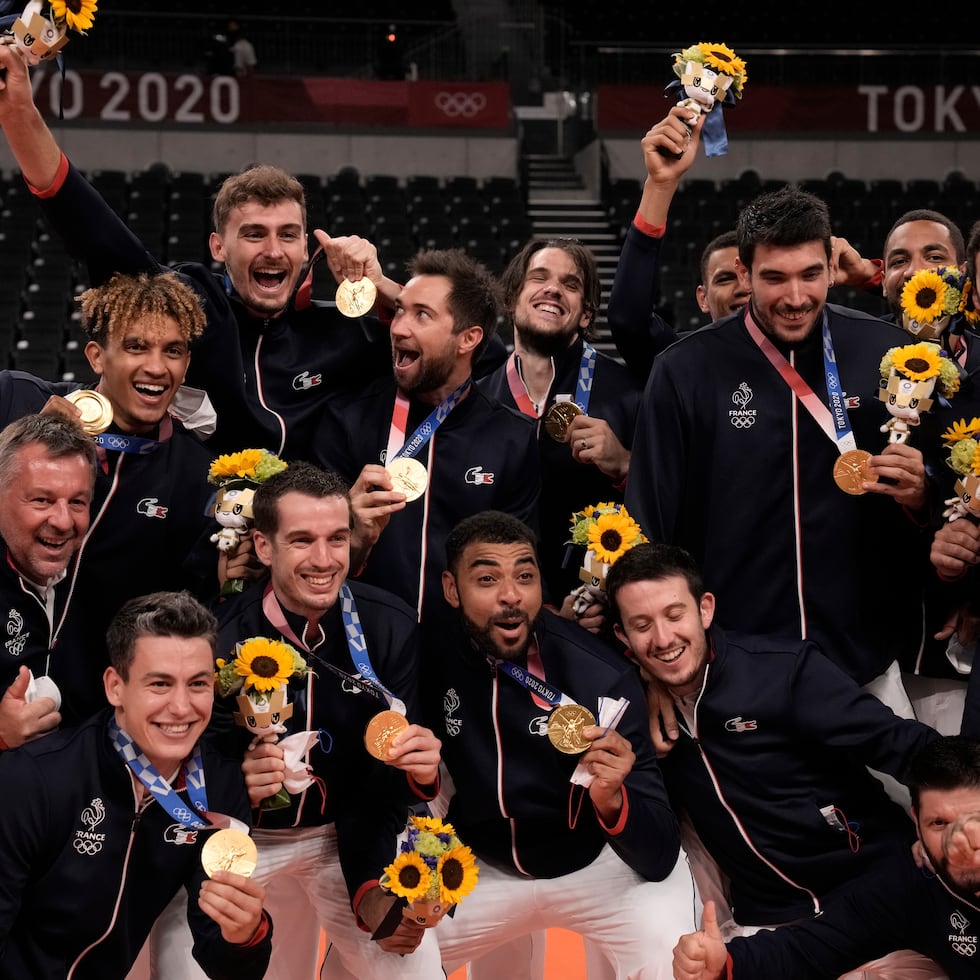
671 655
406 358
269 278
150 391
174 729
53 545
549 309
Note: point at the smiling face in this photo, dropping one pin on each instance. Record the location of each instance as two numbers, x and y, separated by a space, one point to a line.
497 589
429 360
911 247
549 312
263 248
44 513
789 289
664 627
141 367
164 703
309 553
722 291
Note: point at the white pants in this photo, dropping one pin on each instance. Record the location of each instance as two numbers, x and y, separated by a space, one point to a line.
305 891
633 922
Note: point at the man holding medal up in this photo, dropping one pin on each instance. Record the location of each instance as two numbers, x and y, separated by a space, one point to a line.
427 447
321 856
586 402
103 823
738 454
555 783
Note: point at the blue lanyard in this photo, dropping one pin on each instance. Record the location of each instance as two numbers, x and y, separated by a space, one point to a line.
438 415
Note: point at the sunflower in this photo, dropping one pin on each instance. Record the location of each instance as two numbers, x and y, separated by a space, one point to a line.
962 430
725 62
612 535
457 873
433 825
265 664
924 296
77 14
233 465
967 305
407 876
917 362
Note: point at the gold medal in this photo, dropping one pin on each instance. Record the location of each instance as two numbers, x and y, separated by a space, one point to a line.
229 850
851 470
565 726
381 729
95 408
559 418
356 298
408 476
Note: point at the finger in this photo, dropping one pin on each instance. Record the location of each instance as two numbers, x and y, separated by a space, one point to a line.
19 685
709 921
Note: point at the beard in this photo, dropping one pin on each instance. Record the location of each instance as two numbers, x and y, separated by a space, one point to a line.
963 881
542 342
482 636
432 375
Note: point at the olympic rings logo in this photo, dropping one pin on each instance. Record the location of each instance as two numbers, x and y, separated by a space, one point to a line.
743 421
183 814
466 104
964 949
87 847
116 442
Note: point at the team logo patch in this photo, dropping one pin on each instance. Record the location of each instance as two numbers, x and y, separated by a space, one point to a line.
15 630
178 834
450 706
89 842
150 507
538 726
741 416
740 725
304 381
960 941
477 477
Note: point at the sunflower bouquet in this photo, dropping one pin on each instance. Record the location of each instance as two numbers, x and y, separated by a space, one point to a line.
258 676
963 440
932 297
433 870
909 377
607 532
237 475
41 33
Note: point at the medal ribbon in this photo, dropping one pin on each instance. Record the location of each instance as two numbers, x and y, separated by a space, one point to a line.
355 643
551 695
833 420
163 792
518 389
120 443
399 423
586 372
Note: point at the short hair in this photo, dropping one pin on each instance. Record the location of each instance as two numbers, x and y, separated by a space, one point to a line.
947 763
157 614
727 239
263 183
785 217
60 436
652 562
474 294
486 527
299 477
925 214
113 306
972 248
514 275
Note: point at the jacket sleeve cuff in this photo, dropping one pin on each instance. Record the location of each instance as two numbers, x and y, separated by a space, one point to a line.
55 185
651 231
426 793
358 895
875 281
260 933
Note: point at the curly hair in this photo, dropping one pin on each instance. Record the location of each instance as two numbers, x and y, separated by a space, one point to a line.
125 299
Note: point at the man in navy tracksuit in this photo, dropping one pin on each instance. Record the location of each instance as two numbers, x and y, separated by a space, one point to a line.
733 459
581 839
551 292
930 913
475 453
47 469
91 855
151 519
770 764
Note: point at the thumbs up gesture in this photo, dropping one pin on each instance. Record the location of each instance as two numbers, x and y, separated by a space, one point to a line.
22 720
701 955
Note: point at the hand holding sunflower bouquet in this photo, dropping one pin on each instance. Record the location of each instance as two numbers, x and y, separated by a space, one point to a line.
607 532
258 676
40 34
433 871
